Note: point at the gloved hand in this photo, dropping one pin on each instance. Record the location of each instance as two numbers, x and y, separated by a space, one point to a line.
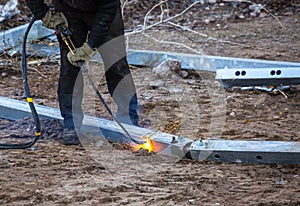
52 19
83 53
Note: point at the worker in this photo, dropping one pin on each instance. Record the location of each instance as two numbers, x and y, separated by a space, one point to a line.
95 25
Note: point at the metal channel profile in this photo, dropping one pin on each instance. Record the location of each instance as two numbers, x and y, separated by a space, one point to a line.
166 144
15 110
259 76
258 152
202 62
235 151
12 38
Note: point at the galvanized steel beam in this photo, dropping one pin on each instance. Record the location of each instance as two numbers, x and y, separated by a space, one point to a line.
232 71
259 76
258 152
236 151
203 62
11 39
14 110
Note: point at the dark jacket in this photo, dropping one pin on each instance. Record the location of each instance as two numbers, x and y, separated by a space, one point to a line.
87 5
105 13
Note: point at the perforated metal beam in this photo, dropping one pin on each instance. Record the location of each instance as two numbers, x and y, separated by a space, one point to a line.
14 110
258 152
11 39
203 62
236 151
259 76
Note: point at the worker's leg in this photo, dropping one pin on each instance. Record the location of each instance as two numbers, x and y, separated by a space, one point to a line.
70 86
118 76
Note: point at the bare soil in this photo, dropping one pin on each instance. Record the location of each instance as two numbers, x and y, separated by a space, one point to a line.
54 174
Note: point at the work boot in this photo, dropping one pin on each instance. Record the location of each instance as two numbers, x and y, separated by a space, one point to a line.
70 137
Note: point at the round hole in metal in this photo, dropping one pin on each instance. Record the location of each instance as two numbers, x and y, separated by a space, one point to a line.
217 156
258 157
278 72
272 72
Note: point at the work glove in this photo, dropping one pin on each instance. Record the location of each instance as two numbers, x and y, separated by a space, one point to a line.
52 19
81 54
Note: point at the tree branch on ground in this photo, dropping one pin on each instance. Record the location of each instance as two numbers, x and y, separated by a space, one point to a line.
169 21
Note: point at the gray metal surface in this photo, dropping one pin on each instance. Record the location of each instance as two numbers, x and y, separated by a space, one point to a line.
258 152
14 110
267 152
259 76
251 72
202 62
11 39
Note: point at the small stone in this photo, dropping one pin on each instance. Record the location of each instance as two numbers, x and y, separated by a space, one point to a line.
99 144
157 83
191 81
147 98
167 67
212 1
183 74
241 16
245 11
256 7
215 6
232 114
206 21
3 74
175 78
175 90
281 182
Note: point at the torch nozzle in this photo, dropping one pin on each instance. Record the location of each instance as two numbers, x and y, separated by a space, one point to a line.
65 35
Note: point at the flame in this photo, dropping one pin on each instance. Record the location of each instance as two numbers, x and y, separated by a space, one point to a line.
148 145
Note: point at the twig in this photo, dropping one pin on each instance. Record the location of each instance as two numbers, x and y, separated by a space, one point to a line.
206 36
34 69
144 28
148 13
124 4
281 92
169 21
173 43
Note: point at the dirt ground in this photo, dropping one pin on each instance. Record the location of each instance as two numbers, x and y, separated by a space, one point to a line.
54 174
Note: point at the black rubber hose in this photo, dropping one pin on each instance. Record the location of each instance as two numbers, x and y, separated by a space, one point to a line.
136 141
28 98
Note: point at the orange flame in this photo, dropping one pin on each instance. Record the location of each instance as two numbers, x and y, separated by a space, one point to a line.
148 145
